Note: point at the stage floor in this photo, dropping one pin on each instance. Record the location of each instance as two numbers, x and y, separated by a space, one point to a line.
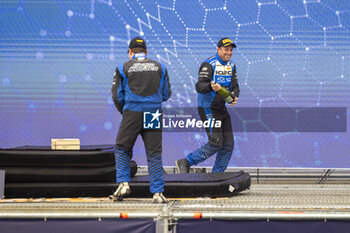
262 201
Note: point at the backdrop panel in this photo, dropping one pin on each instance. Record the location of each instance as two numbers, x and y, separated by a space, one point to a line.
58 58
77 225
204 226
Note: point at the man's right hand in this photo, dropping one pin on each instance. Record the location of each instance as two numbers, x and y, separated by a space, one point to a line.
215 86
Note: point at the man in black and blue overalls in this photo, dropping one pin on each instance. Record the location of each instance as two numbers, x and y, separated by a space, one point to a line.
215 72
139 85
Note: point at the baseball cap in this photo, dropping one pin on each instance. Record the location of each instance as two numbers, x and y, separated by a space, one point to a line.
226 42
137 42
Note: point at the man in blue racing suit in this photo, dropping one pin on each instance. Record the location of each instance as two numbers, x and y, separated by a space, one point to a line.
215 72
140 85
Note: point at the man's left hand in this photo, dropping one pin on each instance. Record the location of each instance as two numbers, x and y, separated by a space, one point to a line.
235 101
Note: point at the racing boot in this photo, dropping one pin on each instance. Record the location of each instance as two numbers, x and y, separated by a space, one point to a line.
122 191
183 166
159 198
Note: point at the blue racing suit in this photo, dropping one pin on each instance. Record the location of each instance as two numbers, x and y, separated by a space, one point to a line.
212 105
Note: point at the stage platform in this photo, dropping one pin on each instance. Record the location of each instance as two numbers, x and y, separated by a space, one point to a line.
262 201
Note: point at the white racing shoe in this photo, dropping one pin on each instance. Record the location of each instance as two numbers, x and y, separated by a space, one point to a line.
122 191
159 198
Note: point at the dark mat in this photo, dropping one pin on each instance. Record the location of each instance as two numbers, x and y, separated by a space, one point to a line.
176 186
193 177
195 184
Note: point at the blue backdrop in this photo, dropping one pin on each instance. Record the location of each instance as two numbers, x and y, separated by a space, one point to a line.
77 225
57 61
256 226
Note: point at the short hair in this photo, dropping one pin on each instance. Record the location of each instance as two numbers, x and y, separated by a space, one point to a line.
138 50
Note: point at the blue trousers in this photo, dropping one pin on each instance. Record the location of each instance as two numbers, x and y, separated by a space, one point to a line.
130 127
221 142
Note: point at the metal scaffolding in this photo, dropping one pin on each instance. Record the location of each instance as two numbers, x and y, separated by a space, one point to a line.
261 202
275 194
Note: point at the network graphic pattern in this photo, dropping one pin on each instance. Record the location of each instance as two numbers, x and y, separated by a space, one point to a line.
59 57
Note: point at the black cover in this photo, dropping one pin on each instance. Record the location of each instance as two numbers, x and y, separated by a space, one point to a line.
41 164
33 172
63 174
43 156
59 174
176 185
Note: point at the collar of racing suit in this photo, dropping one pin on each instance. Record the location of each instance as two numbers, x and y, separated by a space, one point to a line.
139 56
220 60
